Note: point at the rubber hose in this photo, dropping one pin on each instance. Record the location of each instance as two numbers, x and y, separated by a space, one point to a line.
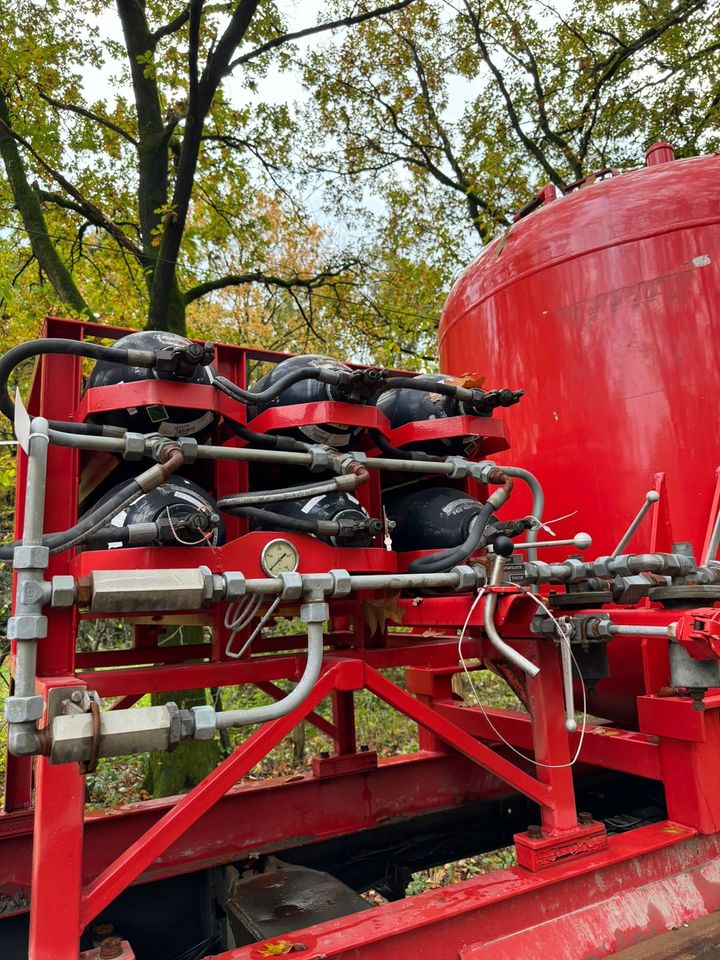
447 559
297 524
53 345
267 441
349 482
86 526
273 391
396 453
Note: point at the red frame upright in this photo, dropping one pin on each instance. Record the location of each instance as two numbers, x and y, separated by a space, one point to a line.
82 861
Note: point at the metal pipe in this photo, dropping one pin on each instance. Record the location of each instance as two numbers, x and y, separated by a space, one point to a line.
627 630
651 497
26 652
538 502
581 541
504 649
272 711
81 441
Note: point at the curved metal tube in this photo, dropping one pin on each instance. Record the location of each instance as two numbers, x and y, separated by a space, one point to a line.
504 649
538 501
243 718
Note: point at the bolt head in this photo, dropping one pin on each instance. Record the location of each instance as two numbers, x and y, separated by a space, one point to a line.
534 832
110 947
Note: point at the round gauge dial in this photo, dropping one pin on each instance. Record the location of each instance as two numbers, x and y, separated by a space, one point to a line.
279 556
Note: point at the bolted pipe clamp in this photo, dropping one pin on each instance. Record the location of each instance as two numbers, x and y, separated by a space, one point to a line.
31 558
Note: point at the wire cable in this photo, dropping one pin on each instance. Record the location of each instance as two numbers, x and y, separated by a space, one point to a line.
563 639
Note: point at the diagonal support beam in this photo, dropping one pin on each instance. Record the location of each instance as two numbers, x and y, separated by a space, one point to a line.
137 858
456 737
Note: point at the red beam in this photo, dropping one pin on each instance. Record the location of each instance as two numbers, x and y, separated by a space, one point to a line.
584 908
456 737
622 750
128 867
263 816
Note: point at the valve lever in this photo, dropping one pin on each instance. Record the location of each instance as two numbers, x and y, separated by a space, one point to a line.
581 541
651 497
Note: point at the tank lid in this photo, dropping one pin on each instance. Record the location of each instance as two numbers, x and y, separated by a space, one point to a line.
660 152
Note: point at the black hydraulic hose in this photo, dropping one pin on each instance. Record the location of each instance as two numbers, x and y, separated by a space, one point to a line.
297 524
447 559
307 372
55 345
300 492
267 441
87 526
397 453
420 383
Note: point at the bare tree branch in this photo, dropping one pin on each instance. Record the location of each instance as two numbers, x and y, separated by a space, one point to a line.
318 28
89 115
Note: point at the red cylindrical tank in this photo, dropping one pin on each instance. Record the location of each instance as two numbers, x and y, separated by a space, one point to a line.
604 305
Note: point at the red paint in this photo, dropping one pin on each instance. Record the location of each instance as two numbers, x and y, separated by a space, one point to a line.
603 307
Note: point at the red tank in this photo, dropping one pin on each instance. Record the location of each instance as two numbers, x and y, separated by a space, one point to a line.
604 306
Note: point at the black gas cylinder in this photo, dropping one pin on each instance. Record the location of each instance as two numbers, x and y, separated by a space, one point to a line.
175 501
335 506
158 418
403 405
431 518
337 435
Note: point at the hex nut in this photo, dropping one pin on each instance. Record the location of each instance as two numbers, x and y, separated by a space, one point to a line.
342 583
27 627
460 467
63 591
235 586
189 448
481 471
319 459
292 586
467 578
24 709
31 558
204 723
314 612
134 446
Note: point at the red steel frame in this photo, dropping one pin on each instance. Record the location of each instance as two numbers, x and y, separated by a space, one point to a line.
80 862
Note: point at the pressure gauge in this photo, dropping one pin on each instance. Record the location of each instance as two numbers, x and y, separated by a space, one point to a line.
279 556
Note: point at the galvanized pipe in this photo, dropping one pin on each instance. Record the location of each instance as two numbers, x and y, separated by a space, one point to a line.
538 502
504 649
304 686
651 497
